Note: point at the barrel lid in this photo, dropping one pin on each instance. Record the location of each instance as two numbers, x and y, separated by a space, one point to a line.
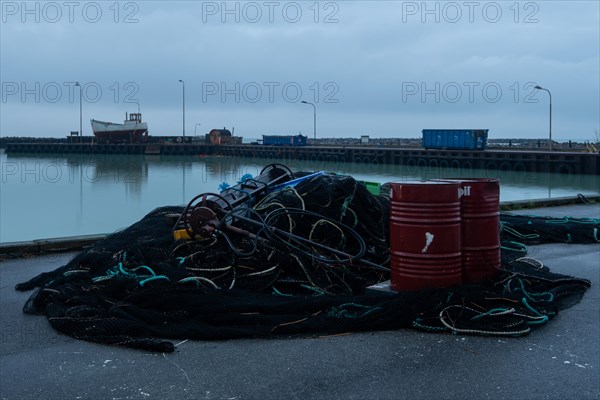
476 187
425 191
432 182
467 180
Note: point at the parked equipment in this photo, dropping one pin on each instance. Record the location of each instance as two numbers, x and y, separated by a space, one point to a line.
289 140
466 139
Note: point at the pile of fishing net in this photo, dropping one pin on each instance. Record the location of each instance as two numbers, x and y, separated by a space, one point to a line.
535 229
299 260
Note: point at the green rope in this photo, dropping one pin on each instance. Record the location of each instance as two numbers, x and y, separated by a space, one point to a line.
152 278
493 312
558 221
119 271
590 221
314 289
101 278
587 221
345 206
277 292
518 234
564 219
342 311
417 324
530 295
190 279
76 271
522 249
533 310
541 320
146 268
123 271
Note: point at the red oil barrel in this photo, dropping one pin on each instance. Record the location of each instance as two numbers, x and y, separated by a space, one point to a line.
480 231
425 235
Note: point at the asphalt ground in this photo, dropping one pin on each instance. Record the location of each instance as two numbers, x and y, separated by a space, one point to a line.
560 360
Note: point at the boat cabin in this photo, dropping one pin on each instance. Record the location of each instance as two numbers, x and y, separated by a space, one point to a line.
133 117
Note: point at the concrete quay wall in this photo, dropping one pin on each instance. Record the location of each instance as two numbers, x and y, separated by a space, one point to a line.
514 160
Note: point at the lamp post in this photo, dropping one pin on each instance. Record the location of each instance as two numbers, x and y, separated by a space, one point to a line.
549 94
196 126
183 83
80 112
315 117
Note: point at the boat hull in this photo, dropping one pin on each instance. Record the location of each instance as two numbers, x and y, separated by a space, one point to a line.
126 133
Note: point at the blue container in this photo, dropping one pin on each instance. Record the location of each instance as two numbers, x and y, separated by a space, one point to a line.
467 139
271 140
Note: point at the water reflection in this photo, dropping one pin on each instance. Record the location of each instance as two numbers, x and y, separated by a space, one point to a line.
49 196
516 184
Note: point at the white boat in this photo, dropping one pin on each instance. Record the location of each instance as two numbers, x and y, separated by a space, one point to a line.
133 130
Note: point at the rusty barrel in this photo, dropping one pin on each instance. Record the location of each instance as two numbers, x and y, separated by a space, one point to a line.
480 230
425 235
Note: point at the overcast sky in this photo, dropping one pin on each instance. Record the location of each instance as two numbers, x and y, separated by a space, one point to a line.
379 68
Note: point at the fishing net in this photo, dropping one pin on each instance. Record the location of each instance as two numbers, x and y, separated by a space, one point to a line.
535 229
300 259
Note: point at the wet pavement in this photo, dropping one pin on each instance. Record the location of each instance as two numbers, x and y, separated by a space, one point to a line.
558 361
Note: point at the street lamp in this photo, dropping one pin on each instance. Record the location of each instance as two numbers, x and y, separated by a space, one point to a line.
315 117
541 88
196 126
80 112
183 83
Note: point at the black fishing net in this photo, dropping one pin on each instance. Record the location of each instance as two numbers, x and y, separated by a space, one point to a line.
535 229
300 259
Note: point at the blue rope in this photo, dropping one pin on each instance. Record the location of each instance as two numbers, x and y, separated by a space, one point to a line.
223 186
244 178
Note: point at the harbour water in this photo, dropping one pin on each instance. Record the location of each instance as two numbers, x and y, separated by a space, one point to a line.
66 195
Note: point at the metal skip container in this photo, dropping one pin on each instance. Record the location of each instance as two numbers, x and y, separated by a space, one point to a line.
480 232
425 235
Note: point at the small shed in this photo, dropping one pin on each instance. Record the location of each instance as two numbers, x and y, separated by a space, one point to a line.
219 136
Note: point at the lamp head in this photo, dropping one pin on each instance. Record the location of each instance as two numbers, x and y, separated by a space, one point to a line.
303 102
539 88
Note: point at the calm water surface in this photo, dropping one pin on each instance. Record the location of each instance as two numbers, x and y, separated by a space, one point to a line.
44 196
